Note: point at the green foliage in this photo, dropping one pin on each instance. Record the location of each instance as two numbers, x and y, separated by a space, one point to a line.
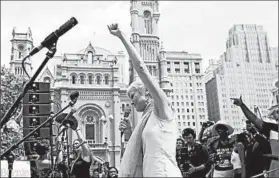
11 87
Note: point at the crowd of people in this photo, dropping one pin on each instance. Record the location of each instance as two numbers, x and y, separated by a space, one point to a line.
150 150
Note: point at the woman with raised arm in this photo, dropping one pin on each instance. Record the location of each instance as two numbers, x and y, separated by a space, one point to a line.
151 149
83 157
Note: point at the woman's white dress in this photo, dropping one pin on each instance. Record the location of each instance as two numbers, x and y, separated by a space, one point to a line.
159 147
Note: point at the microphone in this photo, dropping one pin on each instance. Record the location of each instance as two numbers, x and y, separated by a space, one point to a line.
53 37
68 120
127 112
76 147
74 95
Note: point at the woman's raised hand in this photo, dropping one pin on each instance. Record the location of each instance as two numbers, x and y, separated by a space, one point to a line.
113 29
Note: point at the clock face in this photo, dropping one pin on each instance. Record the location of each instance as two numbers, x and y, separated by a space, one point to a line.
20 47
146 14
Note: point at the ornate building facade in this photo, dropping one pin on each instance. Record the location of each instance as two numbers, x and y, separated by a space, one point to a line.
96 74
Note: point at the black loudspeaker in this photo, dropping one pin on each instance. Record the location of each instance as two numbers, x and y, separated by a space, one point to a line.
36 110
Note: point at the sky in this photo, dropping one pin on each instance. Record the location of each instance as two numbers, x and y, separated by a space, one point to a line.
193 26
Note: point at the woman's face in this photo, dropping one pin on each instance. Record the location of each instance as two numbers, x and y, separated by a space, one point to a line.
138 99
112 172
75 146
179 144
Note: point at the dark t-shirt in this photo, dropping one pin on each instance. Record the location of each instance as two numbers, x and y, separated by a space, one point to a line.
195 155
224 156
255 161
267 127
81 168
222 152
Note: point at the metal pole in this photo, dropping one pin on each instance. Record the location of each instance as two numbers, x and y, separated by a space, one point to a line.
113 113
33 131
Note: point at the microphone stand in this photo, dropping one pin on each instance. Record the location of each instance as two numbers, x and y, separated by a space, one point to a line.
68 153
49 55
7 152
10 158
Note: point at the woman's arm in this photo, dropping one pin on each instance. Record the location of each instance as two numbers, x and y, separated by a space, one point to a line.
159 96
241 153
86 154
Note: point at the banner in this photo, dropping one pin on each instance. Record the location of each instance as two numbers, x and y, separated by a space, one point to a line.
20 169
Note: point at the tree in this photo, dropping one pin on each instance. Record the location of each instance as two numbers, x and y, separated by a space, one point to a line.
11 87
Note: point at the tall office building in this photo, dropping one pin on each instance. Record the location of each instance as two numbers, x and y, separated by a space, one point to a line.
246 70
188 89
210 70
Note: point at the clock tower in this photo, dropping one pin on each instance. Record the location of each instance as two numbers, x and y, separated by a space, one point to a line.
144 23
22 44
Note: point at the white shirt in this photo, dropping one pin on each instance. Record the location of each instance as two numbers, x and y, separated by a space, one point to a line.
159 148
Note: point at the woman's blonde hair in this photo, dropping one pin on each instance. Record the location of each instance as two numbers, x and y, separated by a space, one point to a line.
138 85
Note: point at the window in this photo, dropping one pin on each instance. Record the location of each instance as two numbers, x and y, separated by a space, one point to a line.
90 57
89 130
197 67
73 79
98 78
47 79
148 22
106 80
169 70
82 79
90 79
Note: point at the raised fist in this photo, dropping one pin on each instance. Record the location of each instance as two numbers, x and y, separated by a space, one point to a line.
113 29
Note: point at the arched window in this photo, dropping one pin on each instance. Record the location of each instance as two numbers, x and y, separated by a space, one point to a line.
106 80
90 79
47 79
148 22
74 79
81 79
98 78
90 57
90 129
